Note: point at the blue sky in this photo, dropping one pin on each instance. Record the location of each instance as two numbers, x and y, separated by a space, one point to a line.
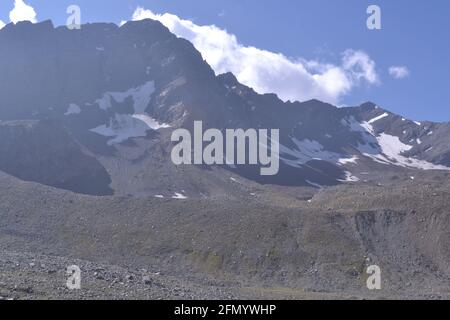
414 35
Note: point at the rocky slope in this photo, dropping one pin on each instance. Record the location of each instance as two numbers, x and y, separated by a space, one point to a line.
323 245
31 276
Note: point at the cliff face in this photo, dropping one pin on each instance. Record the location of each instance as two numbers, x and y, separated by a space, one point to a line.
42 151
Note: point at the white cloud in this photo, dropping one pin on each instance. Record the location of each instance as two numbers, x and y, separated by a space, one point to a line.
399 72
269 72
2 24
22 12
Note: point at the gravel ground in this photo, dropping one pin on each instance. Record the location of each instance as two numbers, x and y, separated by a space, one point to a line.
25 276
147 248
30 277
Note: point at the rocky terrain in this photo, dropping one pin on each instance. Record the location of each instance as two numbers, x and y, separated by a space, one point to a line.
251 248
26 276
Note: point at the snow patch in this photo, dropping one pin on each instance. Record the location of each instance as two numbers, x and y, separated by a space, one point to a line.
141 96
387 149
349 177
391 145
364 127
393 148
349 160
73 109
179 196
150 122
384 115
305 151
123 127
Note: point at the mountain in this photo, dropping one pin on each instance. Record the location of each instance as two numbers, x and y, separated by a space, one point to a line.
86 118
119 92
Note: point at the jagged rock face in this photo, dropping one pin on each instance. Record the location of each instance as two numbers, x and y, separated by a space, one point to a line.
120 91
42 151
47 68
50 68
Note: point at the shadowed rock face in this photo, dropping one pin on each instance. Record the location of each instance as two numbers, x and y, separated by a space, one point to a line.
47 68
42 151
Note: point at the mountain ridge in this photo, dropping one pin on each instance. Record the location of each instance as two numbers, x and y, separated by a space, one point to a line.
120 91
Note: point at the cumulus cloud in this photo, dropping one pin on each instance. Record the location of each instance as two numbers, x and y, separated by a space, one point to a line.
22 12
269 72
399 72
2 24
